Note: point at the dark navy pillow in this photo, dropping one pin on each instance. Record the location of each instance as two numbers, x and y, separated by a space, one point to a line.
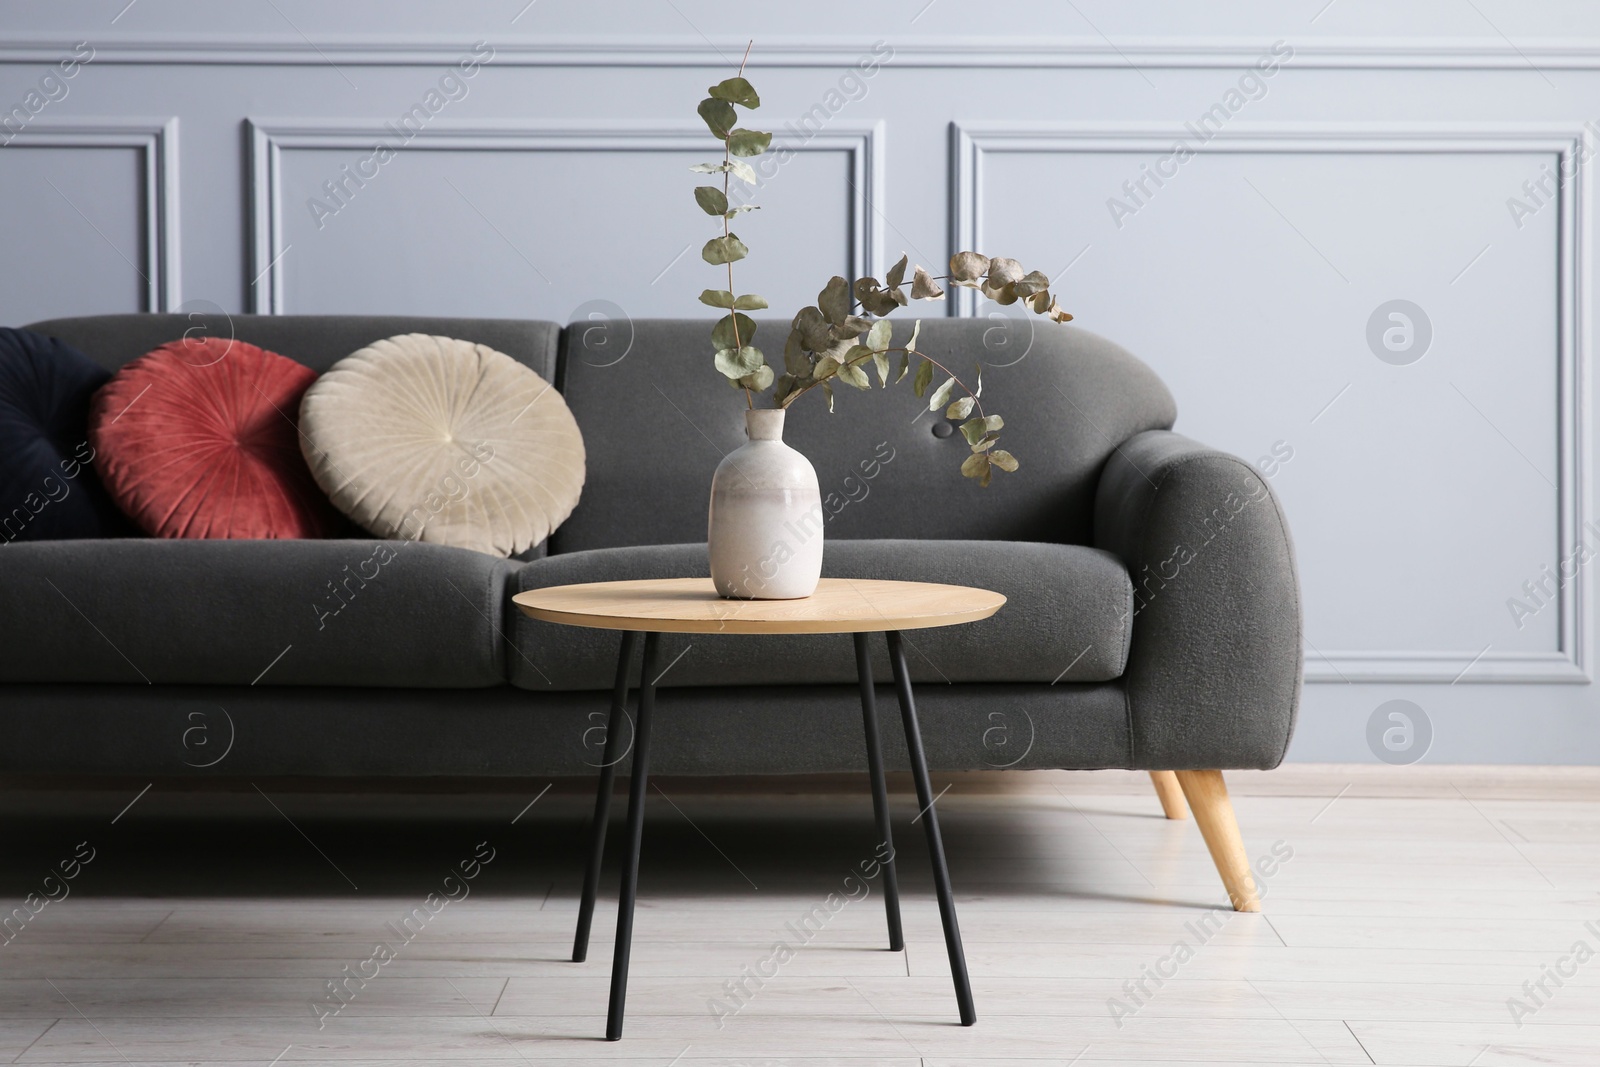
48 487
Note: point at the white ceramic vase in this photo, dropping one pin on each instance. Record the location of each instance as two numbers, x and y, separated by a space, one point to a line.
765 531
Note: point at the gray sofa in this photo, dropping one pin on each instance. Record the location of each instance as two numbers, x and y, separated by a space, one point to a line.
1153 620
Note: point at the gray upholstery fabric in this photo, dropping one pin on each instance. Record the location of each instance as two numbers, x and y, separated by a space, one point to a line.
349 613
1065 618
1068 401
86 729
1213 677
1210 666
318 341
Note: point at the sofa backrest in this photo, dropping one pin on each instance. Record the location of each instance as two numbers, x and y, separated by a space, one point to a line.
657 418
318 341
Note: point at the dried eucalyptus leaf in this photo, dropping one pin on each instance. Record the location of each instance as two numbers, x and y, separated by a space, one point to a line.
923 286
1004 271
795 360
839 350
722 335
941 395
752 357
819 338
916 329
734 212
919 384
988 441
815 333
1056 314
968 266
851 374
743 171
874 298
750 302
748 142
878 301
881 361
905 365
717 298
807 316
878 336
834 300
852 326
730 363
721 250
827 391
977 466
759 380
1000 294
735 90
978 392
960 409
826 368
711 199
787 386
896 275
1031 284
1003 459
974 429
719 116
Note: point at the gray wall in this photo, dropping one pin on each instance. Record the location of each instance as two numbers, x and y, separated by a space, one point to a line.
1385 159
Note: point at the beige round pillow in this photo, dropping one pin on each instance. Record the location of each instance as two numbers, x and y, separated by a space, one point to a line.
450 442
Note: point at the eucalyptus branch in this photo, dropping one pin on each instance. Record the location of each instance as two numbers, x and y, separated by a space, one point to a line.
829 341
858 360
978 403
738 360
726 231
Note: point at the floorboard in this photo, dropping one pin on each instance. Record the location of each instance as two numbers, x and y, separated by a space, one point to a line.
1410 912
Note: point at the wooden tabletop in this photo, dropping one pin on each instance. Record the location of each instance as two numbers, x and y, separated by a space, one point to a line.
692 606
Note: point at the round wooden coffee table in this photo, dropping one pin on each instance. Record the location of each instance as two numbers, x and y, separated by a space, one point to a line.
690 605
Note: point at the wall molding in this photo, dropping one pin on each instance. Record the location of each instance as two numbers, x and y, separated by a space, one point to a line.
1530 55
1574 661
157 139
269 138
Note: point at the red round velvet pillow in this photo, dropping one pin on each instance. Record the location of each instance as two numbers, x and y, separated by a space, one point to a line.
199 439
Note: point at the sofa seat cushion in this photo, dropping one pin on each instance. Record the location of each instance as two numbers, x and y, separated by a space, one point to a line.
232 612
1066 619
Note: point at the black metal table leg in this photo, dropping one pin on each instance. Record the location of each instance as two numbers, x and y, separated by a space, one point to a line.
930 820
602 799
630 863
880 792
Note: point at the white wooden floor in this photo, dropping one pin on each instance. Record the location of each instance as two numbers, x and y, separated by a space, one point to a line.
1416 902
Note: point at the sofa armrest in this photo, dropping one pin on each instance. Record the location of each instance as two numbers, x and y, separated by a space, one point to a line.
1213 678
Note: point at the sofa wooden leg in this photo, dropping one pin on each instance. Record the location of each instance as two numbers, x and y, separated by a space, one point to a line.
1171 794
1213 812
